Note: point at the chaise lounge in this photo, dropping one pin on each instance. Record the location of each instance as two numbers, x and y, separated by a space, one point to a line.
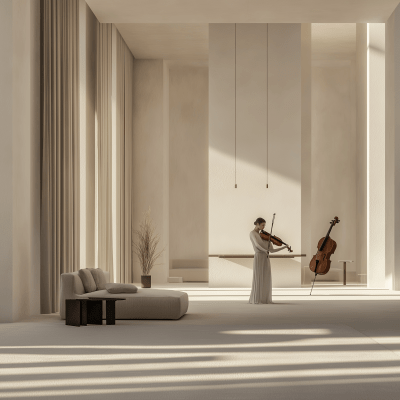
145 304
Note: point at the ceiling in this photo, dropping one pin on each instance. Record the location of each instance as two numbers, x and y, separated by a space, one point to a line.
178 29
188 43
241 11
166 41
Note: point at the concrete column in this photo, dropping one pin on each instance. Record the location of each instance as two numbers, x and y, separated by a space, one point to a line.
19 159
87 98
166 180
6 161
361 157
306 146
376 155
392 150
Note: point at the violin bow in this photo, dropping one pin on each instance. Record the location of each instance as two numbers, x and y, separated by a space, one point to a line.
272 225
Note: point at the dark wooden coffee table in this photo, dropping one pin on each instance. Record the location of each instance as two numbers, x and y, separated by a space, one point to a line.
110 308
83 311
90 311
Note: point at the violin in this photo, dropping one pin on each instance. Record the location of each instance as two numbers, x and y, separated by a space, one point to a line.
321 263
274 239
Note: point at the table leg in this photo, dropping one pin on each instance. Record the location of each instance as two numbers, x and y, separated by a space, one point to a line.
110 312
95 312
344 274
83 312
72 312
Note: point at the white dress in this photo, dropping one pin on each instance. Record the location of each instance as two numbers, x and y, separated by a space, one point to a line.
261 289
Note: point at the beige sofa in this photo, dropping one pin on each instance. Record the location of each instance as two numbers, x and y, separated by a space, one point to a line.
145 304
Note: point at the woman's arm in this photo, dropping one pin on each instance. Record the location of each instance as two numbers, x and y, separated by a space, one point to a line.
272 250
263 245
258 242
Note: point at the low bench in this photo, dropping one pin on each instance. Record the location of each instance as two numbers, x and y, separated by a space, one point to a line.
145 304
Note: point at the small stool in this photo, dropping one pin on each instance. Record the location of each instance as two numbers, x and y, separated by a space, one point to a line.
344 269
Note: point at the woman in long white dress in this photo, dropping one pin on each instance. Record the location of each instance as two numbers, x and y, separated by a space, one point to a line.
261 290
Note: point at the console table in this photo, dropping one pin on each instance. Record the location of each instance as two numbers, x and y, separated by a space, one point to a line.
236 270
289 255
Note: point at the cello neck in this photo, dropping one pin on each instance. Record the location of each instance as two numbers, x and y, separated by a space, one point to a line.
327 236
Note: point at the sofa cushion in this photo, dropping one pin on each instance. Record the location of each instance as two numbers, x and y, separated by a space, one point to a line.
120 288
99 278
87 279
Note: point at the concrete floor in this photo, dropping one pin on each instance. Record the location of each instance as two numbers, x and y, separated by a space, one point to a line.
339 343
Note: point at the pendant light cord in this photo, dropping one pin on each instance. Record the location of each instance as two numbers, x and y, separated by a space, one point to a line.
267 104
235 109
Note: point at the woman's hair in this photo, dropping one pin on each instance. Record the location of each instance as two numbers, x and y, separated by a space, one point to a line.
259 221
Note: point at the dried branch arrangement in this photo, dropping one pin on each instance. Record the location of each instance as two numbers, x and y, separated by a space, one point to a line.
145 247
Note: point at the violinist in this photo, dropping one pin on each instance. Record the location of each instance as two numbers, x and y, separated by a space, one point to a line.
261 290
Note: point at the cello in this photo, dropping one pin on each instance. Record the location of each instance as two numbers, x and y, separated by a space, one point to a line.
321 263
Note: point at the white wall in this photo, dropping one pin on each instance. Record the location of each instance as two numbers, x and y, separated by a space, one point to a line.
306 210
170 171
333 162
188 164
232 211
349 135
333 145
149 155
20 163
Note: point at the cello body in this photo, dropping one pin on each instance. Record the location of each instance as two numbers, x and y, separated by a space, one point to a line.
321 262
